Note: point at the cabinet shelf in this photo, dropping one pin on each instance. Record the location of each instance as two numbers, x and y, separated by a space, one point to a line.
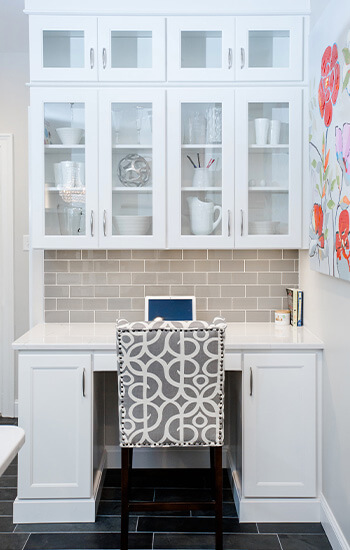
131 146
200 189
268 189
280 148
132 189
201 146
65 146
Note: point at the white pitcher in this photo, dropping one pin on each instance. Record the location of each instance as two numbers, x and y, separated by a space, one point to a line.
202 215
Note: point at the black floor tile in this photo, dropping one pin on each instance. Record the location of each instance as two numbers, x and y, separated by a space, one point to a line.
12 541
186 495
113 508
86 541
8 494
204 542
304 542
6 525
8 482
137 494
169 477
6 508
11 470
192 525
291 528
103 524
228 510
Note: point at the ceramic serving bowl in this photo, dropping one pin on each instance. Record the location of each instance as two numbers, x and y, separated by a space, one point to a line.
70 136
131 225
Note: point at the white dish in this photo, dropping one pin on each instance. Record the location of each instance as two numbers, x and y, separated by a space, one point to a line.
263 228
70 136
131 225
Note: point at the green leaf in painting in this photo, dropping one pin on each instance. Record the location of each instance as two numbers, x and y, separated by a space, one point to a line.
346 54
310 137
331 204
346 80
321 172
333 184
326 172
338 182
326 234
318 189
314 164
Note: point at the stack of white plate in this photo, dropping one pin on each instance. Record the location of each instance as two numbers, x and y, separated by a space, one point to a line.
131 225
263 228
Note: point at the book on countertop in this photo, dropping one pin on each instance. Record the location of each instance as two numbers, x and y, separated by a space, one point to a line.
296 306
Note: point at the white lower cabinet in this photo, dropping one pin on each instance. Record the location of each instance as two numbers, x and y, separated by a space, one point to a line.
279 425
55 410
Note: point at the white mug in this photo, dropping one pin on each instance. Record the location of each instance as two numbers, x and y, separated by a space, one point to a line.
261 130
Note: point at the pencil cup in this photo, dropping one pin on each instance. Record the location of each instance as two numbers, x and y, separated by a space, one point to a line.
200 177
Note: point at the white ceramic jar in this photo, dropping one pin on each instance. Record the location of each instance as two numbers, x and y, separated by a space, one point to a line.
282 317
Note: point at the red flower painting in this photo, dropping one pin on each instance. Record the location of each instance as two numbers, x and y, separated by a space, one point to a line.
329 84
318 224
342 237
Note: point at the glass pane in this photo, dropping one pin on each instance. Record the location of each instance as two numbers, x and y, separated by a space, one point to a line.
269 49
268 168
201 169
131 168
131 49
63 49
201 49
64 136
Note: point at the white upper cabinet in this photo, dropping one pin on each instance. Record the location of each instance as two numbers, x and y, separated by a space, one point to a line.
269 48
131 48
63 48
200 48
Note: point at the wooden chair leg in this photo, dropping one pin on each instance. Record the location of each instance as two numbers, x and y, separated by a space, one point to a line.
212 472
218 497
125 490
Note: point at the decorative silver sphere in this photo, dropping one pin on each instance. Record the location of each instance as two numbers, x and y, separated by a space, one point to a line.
134 171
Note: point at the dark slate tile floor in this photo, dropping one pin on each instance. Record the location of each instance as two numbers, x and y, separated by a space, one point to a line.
153 530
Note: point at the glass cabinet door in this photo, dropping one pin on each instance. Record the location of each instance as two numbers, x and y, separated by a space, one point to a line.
269 48
269 168
200 168
132 173
64 168
63 48
200 48
131 48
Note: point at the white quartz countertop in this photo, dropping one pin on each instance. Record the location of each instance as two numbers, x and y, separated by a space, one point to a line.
11 440
101 336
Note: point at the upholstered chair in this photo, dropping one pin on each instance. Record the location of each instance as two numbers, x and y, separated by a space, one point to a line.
171 393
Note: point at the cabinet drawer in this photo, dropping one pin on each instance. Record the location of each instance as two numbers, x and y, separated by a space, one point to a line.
233 361
105 361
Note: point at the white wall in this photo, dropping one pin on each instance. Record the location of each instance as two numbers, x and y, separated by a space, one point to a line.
327 313
14 100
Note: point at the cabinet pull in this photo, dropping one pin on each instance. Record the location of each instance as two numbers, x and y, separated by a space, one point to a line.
229 58
104 57
229 222
92 58
242 222
92 223
105 223
242 58
251 382
83 383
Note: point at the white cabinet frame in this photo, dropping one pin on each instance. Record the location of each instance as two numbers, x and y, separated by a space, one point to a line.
106 25
244 96
176 97
132 95
40 96
293 24
175 25
39 24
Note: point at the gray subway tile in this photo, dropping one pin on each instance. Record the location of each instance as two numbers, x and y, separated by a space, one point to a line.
94 278
136 315
94 254
233 316
106 265
108 291
132 266
56 265
82 316
290 278
256 291
119 254
67 304
50 278
232 291
144 278
138 303
245 254
82 291
220 254
207 291
169 254
69 278
201 303
269 303
181 265
119 303
195 278
157 290
56 316
50 304
290 254
144 254
56 291
270 254
278 291
183 290
244 278
106 316
220 278
169 278
68 254
195 254
257 265
269 278
244 303
206 265
282 265
208 315
219 303
132 291
80 266
119 278
258 316
157 265
231 265
50 254
94 303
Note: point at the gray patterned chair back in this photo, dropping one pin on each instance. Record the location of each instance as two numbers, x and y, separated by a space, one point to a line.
171 383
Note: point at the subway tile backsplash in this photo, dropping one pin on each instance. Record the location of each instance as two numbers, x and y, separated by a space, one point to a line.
101 285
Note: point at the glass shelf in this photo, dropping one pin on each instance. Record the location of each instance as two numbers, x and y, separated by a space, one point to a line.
199 189
201 146
268 189
132 189
131 146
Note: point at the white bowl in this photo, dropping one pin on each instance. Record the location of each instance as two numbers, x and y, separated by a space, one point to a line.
131 225
70 136
263 228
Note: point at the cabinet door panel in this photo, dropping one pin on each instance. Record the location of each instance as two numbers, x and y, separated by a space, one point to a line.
279 440
55 404
63 48
269 48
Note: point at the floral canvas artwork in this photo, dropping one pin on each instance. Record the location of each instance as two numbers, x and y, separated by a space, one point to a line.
329 142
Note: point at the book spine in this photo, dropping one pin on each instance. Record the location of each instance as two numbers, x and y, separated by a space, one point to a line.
295 307
300 308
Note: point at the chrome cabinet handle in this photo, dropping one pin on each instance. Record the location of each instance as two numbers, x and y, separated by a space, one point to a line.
229 58
104 58
242 58
83 383
251 382
105 223
242 222
92 58
229 222
92 223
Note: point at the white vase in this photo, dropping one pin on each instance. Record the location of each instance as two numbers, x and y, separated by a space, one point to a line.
261 130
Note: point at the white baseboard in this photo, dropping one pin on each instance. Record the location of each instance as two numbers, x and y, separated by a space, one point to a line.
163 458
332 529
71 510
